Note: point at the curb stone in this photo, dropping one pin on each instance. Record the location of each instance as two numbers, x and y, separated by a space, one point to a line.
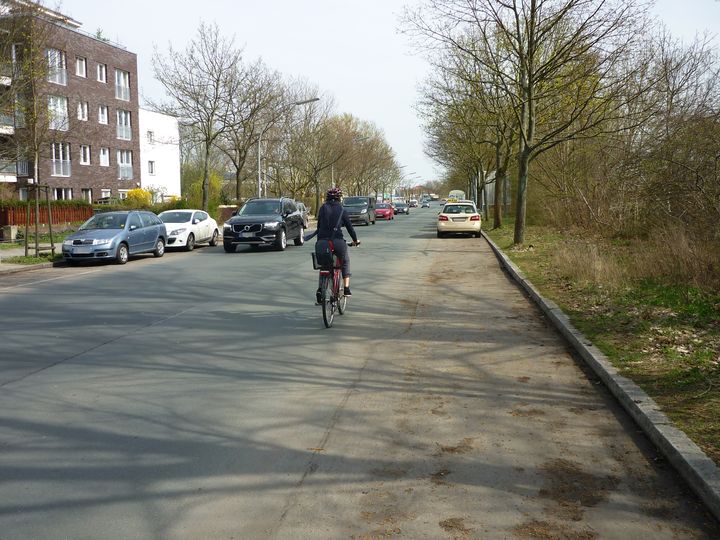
698 470
7 268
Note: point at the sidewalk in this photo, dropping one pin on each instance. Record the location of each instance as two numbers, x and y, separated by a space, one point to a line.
11 268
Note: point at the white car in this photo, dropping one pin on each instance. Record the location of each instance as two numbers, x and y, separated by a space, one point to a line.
459 217
186 228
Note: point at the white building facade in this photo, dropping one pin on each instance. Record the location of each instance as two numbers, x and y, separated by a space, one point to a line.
159 154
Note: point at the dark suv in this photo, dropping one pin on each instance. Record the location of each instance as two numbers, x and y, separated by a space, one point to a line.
263 222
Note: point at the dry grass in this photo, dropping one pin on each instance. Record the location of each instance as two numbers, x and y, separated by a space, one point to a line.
675 256
587 262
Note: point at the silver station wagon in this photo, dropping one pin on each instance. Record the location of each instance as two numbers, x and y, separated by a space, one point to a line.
116 235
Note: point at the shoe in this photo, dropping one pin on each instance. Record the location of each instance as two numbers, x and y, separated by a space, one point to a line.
318 297
347 292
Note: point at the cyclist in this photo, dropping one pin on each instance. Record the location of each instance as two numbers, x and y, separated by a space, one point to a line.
331 218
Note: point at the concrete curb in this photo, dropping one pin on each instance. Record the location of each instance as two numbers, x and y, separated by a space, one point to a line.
699 471
7 268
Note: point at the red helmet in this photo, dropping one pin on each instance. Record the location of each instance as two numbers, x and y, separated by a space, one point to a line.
334 194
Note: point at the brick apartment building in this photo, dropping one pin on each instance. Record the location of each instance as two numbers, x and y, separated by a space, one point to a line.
92 94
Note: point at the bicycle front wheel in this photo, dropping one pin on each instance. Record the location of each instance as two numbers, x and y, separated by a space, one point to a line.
328 302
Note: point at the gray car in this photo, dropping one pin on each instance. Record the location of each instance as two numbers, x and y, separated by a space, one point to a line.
116 235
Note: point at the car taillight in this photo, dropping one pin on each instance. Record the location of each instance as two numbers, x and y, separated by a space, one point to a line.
474 218
443 218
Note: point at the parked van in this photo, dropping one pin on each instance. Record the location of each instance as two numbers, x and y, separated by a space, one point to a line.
361 209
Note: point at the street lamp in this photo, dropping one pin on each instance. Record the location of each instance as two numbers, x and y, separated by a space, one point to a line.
259 151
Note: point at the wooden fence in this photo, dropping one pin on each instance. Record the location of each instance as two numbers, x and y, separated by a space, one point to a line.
60 214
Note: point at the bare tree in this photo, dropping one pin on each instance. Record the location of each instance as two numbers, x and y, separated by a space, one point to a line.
201 83
561 63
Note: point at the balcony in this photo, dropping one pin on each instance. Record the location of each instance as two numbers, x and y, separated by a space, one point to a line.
7 124
122 92
60 167
58 76
124 132
126 172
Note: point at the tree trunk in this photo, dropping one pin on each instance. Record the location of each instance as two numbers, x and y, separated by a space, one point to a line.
523 165
238 184
206 179
498 199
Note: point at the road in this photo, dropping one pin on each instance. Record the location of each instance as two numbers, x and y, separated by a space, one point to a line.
200 396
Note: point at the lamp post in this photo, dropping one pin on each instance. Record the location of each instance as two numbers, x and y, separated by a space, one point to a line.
259 151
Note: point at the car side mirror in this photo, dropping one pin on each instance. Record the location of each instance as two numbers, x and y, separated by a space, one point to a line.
133 227
234 213
196 221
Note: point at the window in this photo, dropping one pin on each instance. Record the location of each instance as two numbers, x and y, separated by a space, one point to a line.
87 195
60 157
102 73
23 194
102 114
104 158
84 154
58 112
62 194
81 66
122 193
83 111
124 159
124 129
105 193
151 167
57 66
122 85
151 137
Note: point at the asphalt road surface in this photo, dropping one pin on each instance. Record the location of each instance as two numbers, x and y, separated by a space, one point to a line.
199 396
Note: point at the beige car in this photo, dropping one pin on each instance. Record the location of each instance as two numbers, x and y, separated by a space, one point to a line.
459 217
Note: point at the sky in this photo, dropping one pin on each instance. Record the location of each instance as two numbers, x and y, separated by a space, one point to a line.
351 49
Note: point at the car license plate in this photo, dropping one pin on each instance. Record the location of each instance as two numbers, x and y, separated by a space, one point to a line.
81 250
247 235
459 219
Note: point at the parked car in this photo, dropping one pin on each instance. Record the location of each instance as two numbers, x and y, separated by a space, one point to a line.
384 211
304 212
116 235
360 209
264 222
186 228
402 208
459 218
413 203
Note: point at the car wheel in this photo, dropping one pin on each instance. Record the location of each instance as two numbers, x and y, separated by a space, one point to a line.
229 248
281 240
300 240
159 248
123 254
214 239
190 244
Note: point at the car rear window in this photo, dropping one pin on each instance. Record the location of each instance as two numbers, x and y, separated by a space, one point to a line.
459 209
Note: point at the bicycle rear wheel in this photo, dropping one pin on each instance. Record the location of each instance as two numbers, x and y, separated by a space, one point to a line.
341 298
328 302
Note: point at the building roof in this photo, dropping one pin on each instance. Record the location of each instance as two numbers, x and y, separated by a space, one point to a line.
47 13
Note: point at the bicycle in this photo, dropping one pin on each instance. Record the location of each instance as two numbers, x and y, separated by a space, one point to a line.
332 297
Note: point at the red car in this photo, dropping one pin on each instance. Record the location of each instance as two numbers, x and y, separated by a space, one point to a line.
384 211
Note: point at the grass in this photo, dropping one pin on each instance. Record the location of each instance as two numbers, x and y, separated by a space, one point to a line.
663 335
31 259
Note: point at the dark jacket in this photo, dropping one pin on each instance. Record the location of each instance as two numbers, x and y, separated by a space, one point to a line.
328 217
